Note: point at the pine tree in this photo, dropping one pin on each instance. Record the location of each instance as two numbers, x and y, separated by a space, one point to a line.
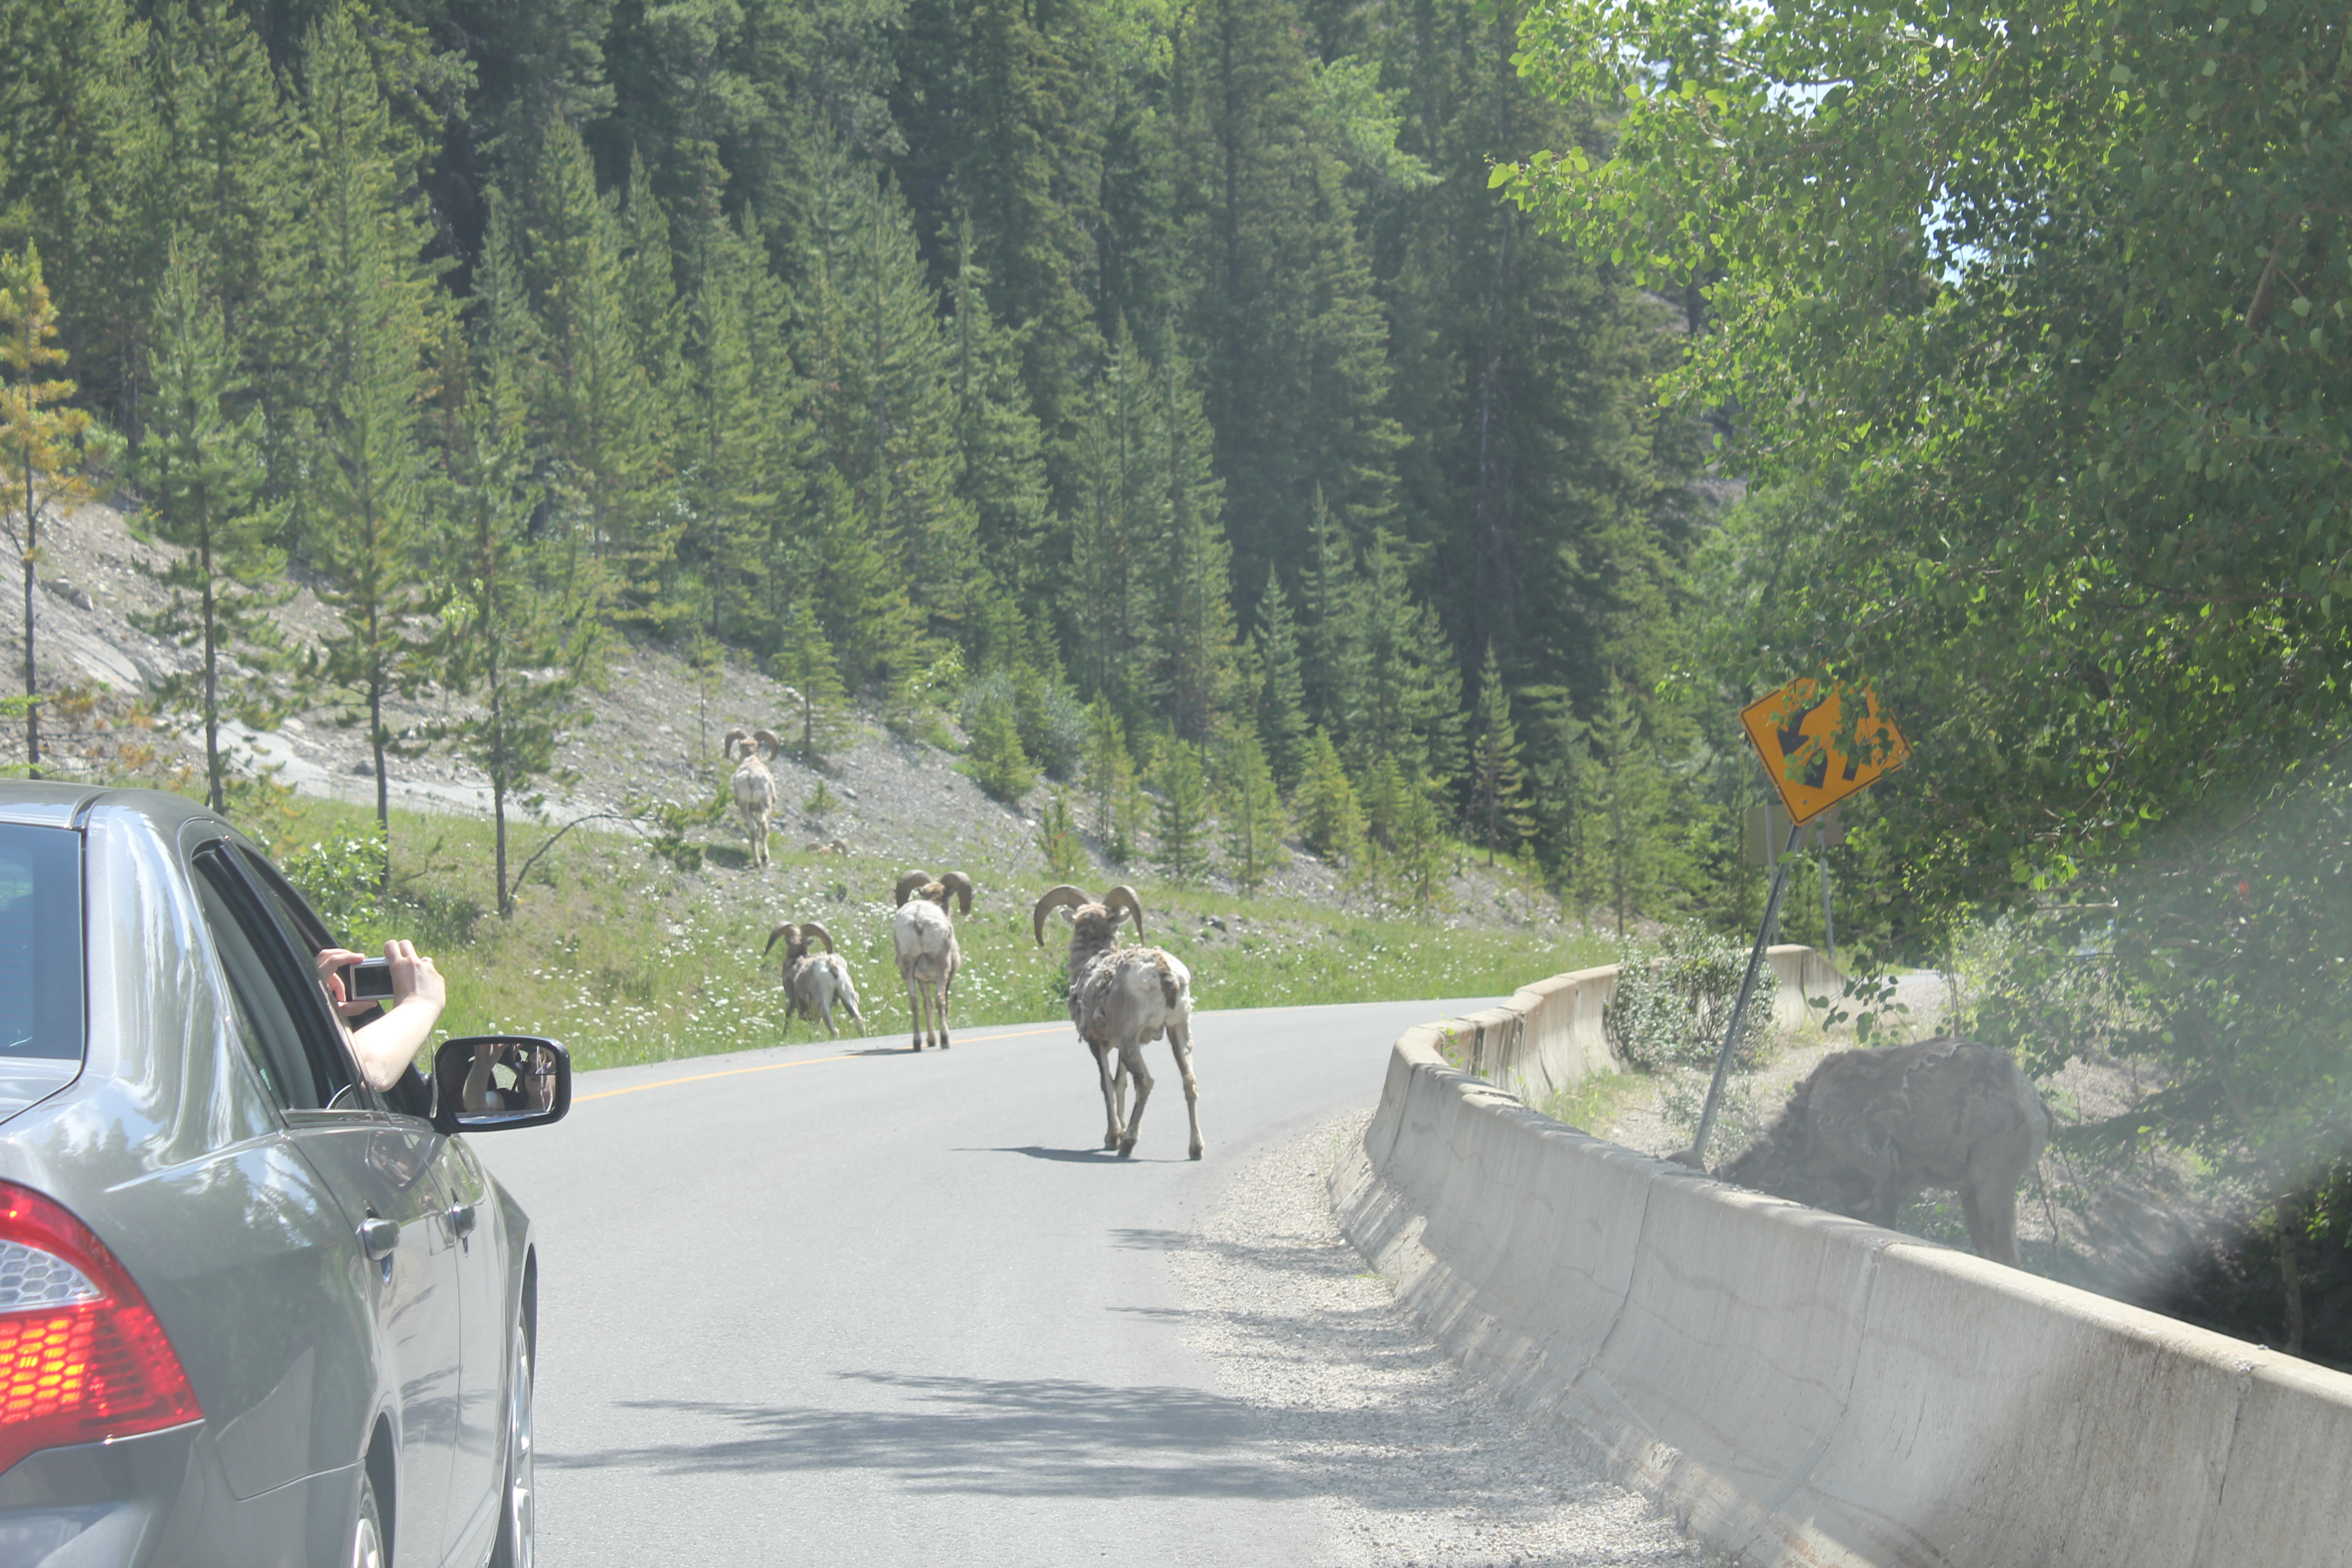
1329 817
369 510
1001 474
1383 790
1407 703
1626 801
521 631
997 762
40 446
1497 781
804 662
1417 862
885 399
1115 509
591 398
1330 664
727 482
1252 817
1281 303
1282 689
1058 840
1190 631
1183 814
1108 779
226 164
200 471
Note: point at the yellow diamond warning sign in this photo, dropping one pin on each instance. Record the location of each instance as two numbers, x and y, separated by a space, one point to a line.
1793 728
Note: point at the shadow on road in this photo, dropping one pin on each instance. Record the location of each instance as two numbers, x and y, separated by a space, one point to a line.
1018 1437
1082 1156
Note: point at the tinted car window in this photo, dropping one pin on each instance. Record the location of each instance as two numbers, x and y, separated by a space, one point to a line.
40 943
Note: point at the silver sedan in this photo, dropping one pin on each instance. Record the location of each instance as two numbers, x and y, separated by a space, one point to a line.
252 1312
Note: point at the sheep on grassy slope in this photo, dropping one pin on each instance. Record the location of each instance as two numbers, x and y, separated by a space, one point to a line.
1867 1130
1122 998
754 787
924 942
815 982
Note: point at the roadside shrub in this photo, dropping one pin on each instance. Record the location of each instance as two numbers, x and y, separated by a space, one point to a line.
1674 1001
996 761
342 876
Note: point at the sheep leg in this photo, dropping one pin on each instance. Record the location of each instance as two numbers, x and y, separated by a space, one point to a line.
915 1011
1114 1124
1993 1222
1179 1039
1118 1089
1130 1059
944 1042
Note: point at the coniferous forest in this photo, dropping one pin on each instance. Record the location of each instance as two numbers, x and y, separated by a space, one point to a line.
1149 379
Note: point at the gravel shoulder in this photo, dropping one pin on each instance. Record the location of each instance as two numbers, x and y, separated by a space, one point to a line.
1414 1461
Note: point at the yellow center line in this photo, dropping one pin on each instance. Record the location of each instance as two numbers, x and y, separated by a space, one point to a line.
772 1067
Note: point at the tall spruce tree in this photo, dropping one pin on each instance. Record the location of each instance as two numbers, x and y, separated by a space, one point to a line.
200 470
520 631
1182 819
1497 782
1115 508
1282 303
1190 629
1252 816
592 400
885 396
41 445
373 303
1282 686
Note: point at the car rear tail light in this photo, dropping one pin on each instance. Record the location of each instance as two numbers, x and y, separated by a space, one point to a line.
82 1358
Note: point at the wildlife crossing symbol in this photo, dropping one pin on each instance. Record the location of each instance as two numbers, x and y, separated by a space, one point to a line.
1793 729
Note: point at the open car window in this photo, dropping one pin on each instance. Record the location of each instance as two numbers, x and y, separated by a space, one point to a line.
292 1034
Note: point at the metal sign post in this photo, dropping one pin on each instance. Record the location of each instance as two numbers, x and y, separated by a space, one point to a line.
1696 1153
1791 730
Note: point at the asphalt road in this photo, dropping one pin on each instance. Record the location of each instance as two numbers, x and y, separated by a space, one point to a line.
840 1303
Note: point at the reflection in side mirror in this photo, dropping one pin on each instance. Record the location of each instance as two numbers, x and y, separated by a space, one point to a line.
485 1082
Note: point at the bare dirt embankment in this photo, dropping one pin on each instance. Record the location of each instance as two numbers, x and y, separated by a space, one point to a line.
652 736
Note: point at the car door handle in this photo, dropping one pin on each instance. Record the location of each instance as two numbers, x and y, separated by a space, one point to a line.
461 1219
379 1237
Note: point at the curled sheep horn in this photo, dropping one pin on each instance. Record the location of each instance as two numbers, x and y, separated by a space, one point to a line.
813 932
908 882
1123 898
959 884
735 735
1065 897
792 935
767 743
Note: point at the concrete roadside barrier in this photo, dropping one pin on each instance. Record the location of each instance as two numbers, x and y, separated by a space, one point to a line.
1549 1035
1801 1388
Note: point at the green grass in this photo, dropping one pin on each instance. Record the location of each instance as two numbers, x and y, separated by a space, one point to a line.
1594 1105
627 960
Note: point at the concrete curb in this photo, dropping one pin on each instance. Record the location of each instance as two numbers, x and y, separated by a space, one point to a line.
1801 1388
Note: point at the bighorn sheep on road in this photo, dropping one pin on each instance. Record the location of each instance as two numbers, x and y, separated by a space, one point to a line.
1868 1129
1121 998
925 940
813 982
754 786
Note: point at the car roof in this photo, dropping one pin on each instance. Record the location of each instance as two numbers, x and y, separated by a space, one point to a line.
60 803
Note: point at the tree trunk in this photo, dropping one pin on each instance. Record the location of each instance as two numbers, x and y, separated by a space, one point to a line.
2290 1229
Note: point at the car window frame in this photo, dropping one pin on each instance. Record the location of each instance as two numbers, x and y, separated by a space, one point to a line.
338 1084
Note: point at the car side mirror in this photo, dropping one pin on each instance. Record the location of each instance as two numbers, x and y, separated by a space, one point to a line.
485 1083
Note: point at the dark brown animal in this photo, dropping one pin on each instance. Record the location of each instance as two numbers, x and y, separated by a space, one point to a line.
1867 1130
